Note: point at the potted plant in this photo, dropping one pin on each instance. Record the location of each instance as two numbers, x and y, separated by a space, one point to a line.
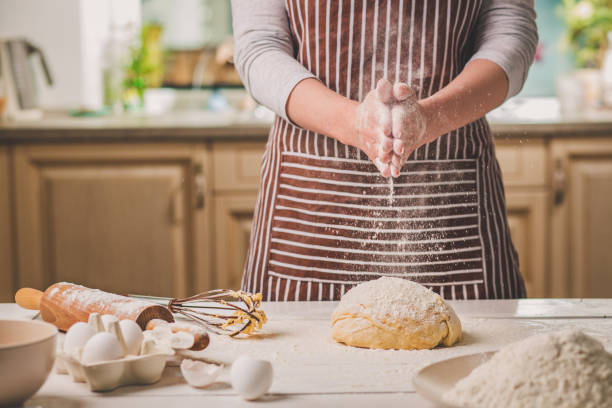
587 25
145 69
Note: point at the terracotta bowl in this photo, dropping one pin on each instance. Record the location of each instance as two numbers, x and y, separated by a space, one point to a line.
27 353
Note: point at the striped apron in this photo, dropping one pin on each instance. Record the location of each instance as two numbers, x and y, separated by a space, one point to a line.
326 219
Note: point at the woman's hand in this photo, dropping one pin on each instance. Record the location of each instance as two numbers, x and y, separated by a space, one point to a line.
374 126
390 125
481 86
408 125
366 125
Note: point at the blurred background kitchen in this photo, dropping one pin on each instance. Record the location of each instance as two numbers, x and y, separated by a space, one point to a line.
130 152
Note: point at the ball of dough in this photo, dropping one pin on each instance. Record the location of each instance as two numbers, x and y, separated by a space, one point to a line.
394 313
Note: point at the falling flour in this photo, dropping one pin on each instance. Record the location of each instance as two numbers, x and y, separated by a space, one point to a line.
566 369
391 191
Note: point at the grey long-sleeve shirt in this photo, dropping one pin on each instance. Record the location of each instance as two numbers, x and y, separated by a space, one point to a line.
506 34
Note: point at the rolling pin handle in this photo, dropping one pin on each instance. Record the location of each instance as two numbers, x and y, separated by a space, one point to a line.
28 298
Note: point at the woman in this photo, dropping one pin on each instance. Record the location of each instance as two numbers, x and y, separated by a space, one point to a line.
364 90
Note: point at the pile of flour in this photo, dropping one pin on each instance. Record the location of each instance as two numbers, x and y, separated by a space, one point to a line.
566 369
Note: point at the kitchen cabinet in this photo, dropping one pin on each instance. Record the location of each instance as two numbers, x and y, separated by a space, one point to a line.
524 170
582 218
233 216
237 166
528 222
7 272
168 210
118 217
114 216
236 185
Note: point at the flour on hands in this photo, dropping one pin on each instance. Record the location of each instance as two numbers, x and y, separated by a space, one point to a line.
374 127
407 125
391 124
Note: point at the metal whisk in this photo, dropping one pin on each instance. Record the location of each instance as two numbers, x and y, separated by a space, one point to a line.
222 311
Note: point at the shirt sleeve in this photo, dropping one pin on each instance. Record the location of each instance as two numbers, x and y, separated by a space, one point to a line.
264 52
506 34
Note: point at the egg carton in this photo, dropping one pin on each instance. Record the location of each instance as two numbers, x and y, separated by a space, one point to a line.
144 368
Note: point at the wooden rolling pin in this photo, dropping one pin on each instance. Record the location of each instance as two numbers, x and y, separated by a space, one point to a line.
64 304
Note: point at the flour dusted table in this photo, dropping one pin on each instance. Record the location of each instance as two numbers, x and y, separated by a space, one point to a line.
311 370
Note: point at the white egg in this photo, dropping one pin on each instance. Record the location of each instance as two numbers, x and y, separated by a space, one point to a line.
102 346
76 337
107 320
251 377
132 334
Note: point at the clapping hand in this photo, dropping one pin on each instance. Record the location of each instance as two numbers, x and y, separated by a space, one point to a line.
407 122
391 125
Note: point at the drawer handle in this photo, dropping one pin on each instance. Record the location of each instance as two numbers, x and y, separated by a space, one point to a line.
559 180
199 182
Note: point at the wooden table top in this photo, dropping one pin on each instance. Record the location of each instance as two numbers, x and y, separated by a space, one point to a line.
310 369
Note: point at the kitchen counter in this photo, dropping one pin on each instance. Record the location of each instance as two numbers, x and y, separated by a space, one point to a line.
178 126
206 126
312 370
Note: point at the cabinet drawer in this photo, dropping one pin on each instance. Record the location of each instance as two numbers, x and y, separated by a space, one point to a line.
237 165
523 163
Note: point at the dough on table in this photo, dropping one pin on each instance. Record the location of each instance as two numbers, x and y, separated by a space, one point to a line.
394 313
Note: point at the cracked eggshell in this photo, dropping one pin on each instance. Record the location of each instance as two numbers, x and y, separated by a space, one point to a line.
132 335
181 340
199 374
251 377
101 347
160 334
77 336
150 346
163 335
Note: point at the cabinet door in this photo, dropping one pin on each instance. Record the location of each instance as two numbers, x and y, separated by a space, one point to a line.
528 221
237 176
524 170
582 218
522 162
122 218
7 287
234 216
237 166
